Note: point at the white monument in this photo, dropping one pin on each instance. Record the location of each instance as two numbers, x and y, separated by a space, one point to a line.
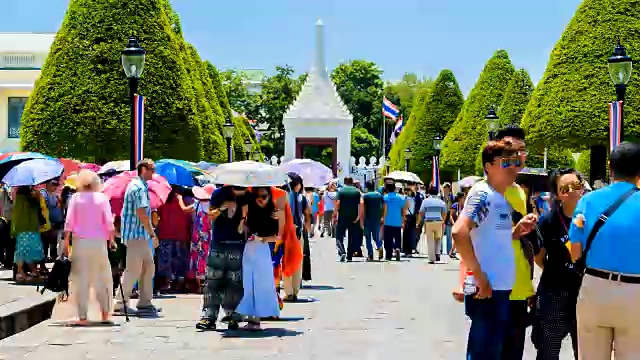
318 117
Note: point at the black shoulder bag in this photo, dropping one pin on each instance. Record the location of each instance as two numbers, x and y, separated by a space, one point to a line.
581 263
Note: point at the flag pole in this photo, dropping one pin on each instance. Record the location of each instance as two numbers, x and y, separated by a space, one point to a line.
384 142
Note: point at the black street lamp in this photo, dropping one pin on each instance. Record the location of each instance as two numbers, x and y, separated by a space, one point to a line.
227 132
387 164
133 57
407 157
493 122
620 66
437 143
248 146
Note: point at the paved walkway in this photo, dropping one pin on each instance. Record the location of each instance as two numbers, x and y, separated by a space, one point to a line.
361 311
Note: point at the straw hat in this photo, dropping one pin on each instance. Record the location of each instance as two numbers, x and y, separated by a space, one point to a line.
203 193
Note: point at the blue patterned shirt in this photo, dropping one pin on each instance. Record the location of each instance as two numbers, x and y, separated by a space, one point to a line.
135 197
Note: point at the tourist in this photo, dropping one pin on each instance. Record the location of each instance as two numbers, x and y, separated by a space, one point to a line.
521 297
56 219
200 237
347 216
7 242
454 213
409 229
223 283
140 239
329 202
483 236
607 308
26 218
90 222
301 212
555 311
265 223
312 200
174 234
419 198
432 212
370 221
449 200
393 212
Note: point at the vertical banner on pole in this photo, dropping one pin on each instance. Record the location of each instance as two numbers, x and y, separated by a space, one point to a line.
436 173
138 103
615 124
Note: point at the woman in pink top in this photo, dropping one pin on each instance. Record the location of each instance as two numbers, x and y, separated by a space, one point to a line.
90 221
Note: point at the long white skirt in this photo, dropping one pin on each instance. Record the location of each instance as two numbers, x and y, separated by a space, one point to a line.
259 298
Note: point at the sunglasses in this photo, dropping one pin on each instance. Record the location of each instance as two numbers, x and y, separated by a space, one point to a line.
571 187
507 162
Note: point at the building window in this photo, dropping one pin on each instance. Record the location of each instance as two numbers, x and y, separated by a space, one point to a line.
16 106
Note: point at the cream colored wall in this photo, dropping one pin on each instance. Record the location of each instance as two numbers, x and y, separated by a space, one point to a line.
7 144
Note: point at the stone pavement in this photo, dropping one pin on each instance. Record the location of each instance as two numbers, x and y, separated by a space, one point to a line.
361 311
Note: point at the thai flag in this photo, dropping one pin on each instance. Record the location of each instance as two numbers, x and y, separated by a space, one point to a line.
138 127
436 173
389 109
397 129
615 124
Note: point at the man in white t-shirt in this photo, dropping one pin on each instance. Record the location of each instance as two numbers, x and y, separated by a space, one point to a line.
483 235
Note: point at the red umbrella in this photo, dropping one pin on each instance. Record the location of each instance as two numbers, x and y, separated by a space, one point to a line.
115 188
70 166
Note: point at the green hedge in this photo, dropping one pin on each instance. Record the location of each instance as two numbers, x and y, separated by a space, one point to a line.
516 98
80 107
569 105
462 143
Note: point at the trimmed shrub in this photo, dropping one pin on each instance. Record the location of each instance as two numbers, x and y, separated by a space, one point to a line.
569 105
516 98
462 143
438 113
80 106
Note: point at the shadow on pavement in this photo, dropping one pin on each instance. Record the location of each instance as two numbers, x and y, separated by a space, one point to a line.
264 333
322 287
164 296
91 324
283 319
302 300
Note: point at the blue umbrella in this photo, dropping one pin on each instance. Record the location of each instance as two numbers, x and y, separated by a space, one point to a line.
9 160
176 173
33 172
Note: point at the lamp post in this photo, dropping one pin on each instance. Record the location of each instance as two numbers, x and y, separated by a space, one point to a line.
248 146
437 144
227 132
387 164
493 122
620 66
407 156
133 57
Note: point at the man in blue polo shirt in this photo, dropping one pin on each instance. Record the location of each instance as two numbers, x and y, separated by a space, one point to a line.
607 308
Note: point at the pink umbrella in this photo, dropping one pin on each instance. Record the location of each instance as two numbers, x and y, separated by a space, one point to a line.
115 188
92 167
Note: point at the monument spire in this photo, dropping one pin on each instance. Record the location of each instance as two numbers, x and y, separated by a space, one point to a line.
319 63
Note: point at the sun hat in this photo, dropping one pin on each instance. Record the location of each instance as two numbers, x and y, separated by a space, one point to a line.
203 193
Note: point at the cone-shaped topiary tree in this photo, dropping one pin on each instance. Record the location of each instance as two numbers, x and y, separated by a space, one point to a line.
396 153
569 105
462 143
80 106
583 164
516 98
439 111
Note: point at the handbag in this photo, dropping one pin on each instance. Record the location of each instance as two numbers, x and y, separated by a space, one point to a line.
581 263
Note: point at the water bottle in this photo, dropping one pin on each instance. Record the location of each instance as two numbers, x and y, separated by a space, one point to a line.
469 287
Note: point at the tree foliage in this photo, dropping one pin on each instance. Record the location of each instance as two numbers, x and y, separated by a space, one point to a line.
462 142
583 164
236 87
516 98
277 93
569 103
404 91
396 153
80 107
437 114
363 143
360 87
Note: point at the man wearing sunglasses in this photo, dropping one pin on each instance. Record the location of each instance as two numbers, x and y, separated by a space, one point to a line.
483 235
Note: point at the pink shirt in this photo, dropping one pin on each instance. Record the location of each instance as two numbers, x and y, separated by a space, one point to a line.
89 216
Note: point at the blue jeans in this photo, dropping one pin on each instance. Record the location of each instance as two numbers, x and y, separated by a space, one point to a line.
447 232
489 324
372 232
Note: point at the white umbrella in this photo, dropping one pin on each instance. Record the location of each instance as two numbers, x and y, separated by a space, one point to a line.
248 173
313 173
404 176
115 166
468 181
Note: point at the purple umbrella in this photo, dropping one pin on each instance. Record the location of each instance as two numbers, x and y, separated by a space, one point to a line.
313 173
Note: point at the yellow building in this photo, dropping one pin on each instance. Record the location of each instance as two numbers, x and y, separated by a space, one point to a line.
21 58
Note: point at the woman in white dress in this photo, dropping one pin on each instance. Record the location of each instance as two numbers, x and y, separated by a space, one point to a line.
265 221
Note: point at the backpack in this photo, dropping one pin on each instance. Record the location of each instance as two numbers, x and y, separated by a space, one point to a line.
58 279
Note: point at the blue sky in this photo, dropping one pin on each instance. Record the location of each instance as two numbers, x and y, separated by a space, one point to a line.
421 36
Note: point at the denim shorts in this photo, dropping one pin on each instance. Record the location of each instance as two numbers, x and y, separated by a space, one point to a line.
489 324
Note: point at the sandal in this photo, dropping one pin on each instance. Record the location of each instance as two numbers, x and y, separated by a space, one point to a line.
233 325
23 278
252 326
206 324
79 322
